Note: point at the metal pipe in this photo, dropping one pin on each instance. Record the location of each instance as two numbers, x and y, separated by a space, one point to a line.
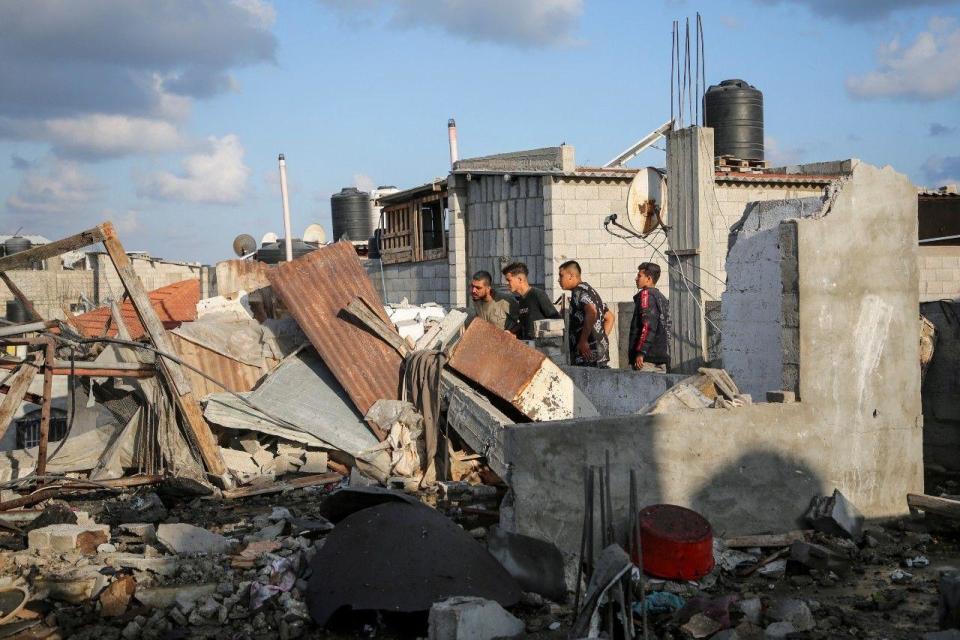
48 363
925 240
287 234
452 139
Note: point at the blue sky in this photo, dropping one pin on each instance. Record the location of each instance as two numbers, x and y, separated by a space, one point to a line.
167 117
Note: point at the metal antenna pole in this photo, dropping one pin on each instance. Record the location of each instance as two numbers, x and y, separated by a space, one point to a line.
287 233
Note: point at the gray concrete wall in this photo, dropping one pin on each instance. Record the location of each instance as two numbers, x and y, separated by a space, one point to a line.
755 469
752 346
418 282
618 392
505 224
939 273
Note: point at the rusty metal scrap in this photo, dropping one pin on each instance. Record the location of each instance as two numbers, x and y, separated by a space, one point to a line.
495 360
316 288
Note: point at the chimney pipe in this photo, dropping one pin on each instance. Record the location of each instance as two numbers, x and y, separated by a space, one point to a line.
287 235
452 137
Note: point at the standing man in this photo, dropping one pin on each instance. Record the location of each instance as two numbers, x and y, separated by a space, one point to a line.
649 348
486 306
533 303
590 320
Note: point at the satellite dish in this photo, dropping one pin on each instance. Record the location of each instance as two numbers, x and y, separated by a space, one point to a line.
268 238
315 233
244 244
647 200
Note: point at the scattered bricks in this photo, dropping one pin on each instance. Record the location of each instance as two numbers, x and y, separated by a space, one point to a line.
69 537
294 452
115 599
781 396
835 515
464 618
263 458
794 611
143 530
813 556
316 462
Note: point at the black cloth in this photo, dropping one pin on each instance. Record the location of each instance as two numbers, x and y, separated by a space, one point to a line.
582 295
650 327
532 307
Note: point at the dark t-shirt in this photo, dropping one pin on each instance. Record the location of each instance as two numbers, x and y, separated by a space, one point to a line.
532 307
599 344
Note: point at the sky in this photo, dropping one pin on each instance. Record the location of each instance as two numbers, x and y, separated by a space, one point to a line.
166 117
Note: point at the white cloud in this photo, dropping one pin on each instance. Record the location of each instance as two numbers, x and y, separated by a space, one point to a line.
926 69
216 175
779 155
102 136
126 222
528 23
860 10
60 188
364 182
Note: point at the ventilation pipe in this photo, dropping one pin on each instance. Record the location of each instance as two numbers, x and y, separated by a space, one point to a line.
452 137
287 233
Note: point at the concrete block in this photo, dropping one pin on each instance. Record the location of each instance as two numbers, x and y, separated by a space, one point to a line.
467 618
315 462
548 328
63 538
835 515
182 538
477 421
143 530
781 396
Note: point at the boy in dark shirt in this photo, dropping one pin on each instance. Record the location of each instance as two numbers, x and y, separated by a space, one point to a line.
649 347
590 320
533 303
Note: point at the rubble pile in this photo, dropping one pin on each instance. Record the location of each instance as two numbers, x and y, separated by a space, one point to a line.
325 462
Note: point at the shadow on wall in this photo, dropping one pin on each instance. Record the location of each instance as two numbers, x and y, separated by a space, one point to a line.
754 482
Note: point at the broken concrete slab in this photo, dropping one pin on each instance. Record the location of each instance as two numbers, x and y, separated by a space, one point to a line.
536 564
164 597
477 421
69 537
518 374
315 462
836 516
185 539
794 611
239 463
441 336
143 530
466 618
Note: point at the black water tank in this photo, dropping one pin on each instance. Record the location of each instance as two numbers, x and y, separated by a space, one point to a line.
275 252
351 213
735 111
16 313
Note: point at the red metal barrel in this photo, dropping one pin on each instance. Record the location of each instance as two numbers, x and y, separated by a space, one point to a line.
677 542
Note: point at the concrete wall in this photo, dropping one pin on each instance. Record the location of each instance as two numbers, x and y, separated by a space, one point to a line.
418 282
615 392
755 469
505 224
574 210
941 388
939 273
51 290
752 346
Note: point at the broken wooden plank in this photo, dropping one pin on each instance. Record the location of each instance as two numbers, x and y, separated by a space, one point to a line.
943 507
316 288
521 375
52 249
17 329
68 488
19 383
359 310
277 487
182 394
21 298
97 370
29 397
48 362
768 539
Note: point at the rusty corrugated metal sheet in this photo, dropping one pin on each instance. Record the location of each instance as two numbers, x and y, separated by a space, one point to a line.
237 376
495 360
315 288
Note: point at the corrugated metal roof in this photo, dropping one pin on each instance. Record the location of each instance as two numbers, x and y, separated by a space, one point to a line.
437 185
316 288
175 303
234 275
776 178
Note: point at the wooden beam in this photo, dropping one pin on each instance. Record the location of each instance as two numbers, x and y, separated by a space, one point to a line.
48 362
182 394
29 397
19 383
52 249
359 310
24 300
97 369
73 487
277 487
943 507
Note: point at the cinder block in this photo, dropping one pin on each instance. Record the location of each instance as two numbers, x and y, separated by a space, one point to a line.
69 537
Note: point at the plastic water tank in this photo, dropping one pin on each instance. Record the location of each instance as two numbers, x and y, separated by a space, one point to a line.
350 211
275 252
735 111
16 313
